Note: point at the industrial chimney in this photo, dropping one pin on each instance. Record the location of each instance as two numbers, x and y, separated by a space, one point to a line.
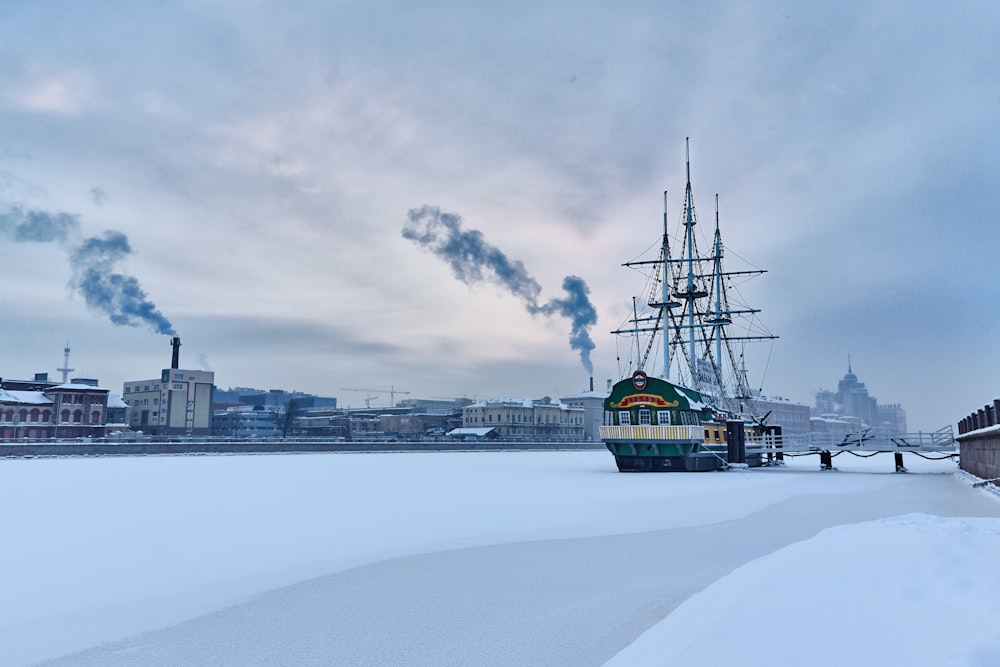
175 360
591 383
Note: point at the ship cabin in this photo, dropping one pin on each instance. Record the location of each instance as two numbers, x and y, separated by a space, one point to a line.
642 401
651 423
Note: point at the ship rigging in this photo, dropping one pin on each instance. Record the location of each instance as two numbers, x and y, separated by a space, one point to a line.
693 309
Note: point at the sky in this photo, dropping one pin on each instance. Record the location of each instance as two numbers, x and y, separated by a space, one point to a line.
427 558
258 178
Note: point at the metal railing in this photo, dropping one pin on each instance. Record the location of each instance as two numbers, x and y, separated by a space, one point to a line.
942 440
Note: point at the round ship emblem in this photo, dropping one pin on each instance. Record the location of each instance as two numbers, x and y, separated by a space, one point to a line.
639 380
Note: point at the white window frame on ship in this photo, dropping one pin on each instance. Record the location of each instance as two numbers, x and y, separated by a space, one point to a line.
645 417
624 418
663 417
690 418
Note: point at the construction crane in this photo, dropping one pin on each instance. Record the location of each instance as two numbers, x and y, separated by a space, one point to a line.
392 391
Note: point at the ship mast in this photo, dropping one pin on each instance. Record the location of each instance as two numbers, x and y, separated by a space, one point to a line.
698 283
665 289
719 320
656 324
689 223
692 291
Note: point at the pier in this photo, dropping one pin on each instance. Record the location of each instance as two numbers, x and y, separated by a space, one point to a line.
929 445
979 441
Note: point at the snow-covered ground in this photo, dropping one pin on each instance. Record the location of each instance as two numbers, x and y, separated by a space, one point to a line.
503 558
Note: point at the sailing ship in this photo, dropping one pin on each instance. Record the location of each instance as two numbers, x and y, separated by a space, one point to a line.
700 414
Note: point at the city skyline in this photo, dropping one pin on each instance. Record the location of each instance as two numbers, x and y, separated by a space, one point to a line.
375 396
244 175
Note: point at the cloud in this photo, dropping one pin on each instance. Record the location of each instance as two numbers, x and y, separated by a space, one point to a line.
287 337
281 145
68 93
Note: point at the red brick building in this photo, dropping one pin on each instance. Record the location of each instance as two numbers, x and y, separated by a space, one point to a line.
40 410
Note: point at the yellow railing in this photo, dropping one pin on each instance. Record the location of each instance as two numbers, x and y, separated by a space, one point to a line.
638 433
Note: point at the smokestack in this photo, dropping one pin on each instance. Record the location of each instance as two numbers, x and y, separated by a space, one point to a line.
591 383
175 360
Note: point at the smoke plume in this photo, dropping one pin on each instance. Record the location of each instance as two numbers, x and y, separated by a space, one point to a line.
473 260
93 261
581 313
37 226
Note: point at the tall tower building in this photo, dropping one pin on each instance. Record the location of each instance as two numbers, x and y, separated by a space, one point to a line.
852 400
65 370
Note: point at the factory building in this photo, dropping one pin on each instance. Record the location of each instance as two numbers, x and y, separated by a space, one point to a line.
592 404
179 402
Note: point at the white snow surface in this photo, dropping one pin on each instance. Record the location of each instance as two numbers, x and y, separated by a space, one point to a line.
493 558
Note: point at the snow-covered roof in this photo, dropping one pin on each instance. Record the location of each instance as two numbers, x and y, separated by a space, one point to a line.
479 432
692 401
521 402
24 397
587 394
761 398
116 401
241 408
512 400
831 419
79 386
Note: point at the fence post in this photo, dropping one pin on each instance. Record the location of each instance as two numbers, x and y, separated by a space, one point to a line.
825 460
